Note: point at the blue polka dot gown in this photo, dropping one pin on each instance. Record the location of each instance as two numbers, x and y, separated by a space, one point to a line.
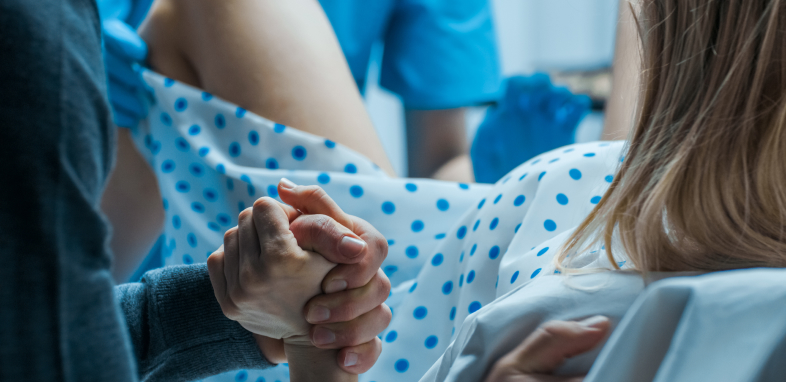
454 248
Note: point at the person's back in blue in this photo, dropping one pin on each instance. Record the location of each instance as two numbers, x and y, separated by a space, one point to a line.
439 57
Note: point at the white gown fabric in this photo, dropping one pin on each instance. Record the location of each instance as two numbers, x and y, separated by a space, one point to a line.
725 326
454 248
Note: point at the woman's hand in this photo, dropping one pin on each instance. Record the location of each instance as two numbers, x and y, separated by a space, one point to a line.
547 348
352 313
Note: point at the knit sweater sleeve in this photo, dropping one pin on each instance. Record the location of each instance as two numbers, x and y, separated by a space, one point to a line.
178 330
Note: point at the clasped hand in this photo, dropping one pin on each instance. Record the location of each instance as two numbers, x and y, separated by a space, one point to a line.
272 271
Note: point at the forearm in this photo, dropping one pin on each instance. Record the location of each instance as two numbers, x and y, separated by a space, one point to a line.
132 203
178 330
309 364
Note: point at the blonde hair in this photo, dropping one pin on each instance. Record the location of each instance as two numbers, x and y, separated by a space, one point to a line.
703 183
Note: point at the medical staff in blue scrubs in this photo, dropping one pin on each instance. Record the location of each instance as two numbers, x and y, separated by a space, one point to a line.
439 57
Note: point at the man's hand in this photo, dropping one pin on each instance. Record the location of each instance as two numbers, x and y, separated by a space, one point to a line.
352 312
547 348
262 278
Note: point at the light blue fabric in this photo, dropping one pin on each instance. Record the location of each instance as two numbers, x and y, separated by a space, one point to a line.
438 54
725 326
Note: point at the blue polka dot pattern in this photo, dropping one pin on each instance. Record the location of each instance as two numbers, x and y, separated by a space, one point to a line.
279 128
210 194
271 163
411 187
401 365
595 199
494 224
475 227
519 200
241 376
168 82
412 252
514 277
437 259
194 130
535 273
196 169
176 222
388 208
550 225
356 191
543 251
181 105
575 174
482 202
198 207
272 191
203 152
350 169
443 205
183 186
431 342
323 178
166 119
470 277
474 307
240 112
187 259
562 199
497 199
420 312
609 178
494 252
330 144
220 121
221 169
472 251
391 336
589 155
206 96
224 219
182 144
192 240
253 138
417 226
168 166
452 313
541 175
299 153
447 287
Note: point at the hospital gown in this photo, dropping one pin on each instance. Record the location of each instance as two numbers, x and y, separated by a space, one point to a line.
454 248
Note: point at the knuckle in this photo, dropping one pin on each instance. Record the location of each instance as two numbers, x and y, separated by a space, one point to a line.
264 203
387 315
228 234
245 214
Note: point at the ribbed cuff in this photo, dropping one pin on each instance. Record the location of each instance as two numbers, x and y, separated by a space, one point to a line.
198 340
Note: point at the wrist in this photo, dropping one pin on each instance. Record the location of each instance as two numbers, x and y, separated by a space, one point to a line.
308 363
271 349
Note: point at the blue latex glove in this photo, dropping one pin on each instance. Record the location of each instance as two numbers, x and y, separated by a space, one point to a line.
124 52
532 118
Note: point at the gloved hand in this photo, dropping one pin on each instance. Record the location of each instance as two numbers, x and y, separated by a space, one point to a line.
124 52
532 118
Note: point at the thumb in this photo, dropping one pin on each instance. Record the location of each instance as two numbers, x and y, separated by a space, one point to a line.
556 341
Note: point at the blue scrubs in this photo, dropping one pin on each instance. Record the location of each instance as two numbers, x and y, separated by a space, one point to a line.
438 54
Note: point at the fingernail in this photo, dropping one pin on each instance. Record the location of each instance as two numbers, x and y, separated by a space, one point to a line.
323 336
318 313
351 359
336 286
286 183
593 322
351 247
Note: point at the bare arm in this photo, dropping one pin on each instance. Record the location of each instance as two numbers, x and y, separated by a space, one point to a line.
437 145
132 203
279 59
625 85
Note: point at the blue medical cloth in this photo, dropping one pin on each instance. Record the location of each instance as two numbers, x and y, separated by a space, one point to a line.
438 54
